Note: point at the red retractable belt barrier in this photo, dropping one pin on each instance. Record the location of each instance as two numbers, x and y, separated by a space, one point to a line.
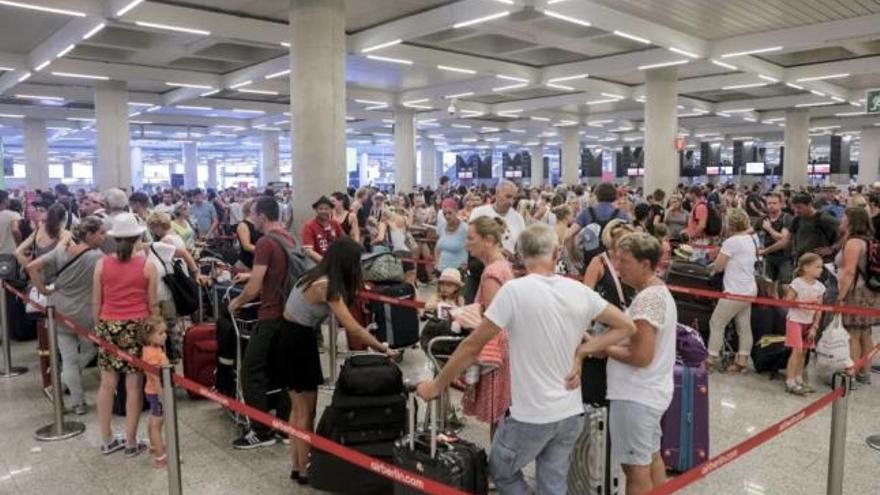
408 303
381 468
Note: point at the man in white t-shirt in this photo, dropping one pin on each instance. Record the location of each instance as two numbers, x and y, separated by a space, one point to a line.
640 373
546 317
502 208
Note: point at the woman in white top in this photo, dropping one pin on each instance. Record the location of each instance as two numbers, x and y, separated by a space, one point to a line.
739 253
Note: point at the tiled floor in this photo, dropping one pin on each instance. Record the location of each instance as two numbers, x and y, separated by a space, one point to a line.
795 463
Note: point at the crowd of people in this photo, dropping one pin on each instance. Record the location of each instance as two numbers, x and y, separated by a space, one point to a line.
593 257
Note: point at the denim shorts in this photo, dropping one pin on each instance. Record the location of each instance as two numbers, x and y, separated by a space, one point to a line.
635 432
155 405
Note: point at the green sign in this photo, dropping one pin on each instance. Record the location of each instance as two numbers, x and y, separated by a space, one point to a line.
873 101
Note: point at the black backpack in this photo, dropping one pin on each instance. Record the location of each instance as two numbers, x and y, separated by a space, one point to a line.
713 221
297 263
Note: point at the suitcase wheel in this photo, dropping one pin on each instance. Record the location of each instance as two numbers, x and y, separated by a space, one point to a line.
702 390
701 454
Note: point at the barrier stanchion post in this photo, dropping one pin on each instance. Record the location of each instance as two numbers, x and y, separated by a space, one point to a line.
59 429
172 439
837 449
8 371
331 348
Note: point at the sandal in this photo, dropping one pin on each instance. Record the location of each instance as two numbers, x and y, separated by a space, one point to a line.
737 368
711 364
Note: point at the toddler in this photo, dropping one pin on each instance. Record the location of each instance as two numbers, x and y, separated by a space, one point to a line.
154 354
801 324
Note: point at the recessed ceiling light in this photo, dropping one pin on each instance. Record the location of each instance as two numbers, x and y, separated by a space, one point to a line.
66 50
480 20
370 102
124 10
193 107
663 64
768 78
258 91
744 86
725 65
42 66
633 37
567 18
559 86
816 104
459 95
512 78
210 93
81 76
509 87
241 84
11 116
568 78
244 110
822 78
40 8
188 85
38 97
168 27
683 52
752 52
381 46
740 110
601 101
24 77
456 69
794 86
817 93
278 74
401 61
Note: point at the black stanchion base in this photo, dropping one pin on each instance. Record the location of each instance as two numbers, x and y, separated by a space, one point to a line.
873 442
13 372
69 429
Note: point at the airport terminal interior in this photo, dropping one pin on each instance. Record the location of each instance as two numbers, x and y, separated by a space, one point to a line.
316 96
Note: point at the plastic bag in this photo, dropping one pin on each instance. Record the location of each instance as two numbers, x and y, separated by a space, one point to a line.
832 350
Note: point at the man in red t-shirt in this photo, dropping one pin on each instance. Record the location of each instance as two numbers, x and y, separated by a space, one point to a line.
696 227
320 232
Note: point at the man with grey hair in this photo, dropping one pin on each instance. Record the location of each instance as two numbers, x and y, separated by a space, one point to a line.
546 316
502 208
115 202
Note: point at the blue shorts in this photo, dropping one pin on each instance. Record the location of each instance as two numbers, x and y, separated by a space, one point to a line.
155 405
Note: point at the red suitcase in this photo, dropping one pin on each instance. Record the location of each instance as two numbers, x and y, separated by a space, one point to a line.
685 425
200 354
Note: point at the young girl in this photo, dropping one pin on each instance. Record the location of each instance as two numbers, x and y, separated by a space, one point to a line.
448 292
801 324
154 353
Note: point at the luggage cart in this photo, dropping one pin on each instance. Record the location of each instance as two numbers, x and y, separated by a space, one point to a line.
448 419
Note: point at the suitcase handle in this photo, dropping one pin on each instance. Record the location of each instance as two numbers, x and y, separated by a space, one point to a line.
411 416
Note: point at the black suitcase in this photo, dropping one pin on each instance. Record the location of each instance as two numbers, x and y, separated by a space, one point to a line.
459 463
693 275
767 320
367 424
695 314
397 325
370 375
594 381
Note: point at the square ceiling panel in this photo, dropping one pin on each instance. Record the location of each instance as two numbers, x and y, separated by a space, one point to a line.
543 57
567 29
239 53
103 53
117 36
525 94
489 44
861 81
445 35
22 30
203 65
816 56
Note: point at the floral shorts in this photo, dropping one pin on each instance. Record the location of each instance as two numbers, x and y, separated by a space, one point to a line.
124 334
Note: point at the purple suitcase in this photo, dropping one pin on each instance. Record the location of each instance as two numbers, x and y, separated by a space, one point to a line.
685 424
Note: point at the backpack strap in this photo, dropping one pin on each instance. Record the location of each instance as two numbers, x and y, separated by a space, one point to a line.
610 267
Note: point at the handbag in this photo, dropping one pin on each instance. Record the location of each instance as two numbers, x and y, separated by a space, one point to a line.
184 291
9 269
35 296
382 267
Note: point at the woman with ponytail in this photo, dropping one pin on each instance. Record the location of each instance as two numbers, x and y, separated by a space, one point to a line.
124 296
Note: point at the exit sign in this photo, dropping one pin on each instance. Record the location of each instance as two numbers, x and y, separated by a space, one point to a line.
873 101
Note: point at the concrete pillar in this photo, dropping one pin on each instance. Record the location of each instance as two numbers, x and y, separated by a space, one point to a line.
212 174
137 168
536 153
114 153
68 169
270 163
571 156
404 149
317 89
869 155
190 166
36 154
797 147
429 163
661 129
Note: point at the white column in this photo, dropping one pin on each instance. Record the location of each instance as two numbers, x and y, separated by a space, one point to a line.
137 168
212 173
404 149
797 147
661 129
571 155
114 153
429 163
536 153
317 89
270 164
869 155
190 166
36 154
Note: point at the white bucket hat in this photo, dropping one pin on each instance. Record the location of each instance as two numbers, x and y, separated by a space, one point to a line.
126 225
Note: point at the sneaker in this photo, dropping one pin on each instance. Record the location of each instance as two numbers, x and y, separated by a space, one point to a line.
139 448
808 389
160 462
116 443
863 378
251 440
281 437
796 390
79 409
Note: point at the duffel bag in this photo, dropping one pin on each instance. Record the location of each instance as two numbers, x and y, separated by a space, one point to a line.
770 353
370 374
382 267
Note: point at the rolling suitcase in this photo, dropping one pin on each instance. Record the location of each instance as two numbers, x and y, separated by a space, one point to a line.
370 375
695 315
453 462
397 325
590 471
694 275
200 354
685 424
368 424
